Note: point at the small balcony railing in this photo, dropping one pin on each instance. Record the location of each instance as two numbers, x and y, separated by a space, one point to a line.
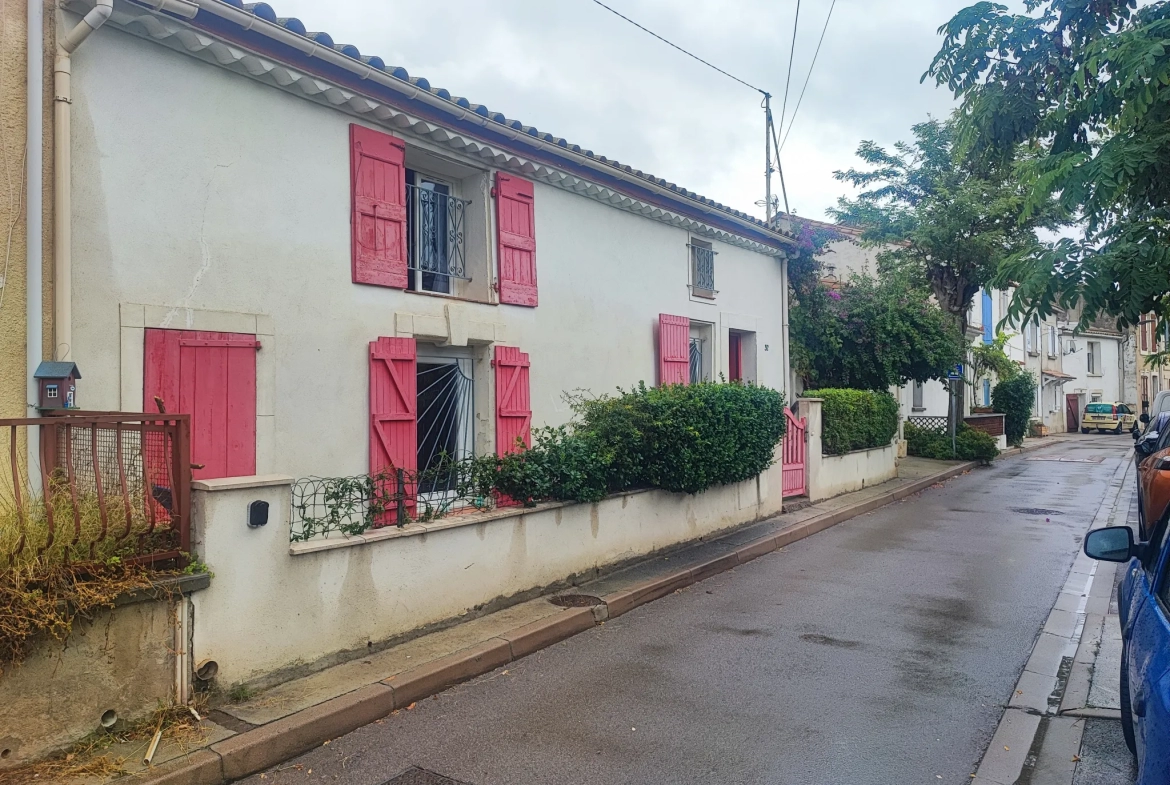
436 238
703 270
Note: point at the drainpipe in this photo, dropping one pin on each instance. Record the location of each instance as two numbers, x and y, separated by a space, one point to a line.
34 131
62 178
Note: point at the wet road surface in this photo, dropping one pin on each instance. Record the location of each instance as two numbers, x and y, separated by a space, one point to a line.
880 651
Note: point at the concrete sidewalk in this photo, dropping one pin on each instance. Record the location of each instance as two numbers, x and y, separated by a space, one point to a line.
241 738
1062 725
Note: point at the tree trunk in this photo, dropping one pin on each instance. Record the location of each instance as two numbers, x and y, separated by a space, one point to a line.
959 386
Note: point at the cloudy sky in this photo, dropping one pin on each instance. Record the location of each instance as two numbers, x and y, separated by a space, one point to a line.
574 69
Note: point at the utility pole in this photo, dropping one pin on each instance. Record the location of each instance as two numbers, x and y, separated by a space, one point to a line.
768 158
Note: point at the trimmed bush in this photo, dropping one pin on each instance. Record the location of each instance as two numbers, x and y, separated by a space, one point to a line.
855 419
683 438
970 444
1015 398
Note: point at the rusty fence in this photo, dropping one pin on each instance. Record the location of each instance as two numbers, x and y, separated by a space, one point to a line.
106 486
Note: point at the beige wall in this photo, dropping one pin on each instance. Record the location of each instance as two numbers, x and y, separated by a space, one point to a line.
122 661
13 105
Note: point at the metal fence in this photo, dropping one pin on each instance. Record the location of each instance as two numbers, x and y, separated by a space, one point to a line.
935 424
322 506
107 486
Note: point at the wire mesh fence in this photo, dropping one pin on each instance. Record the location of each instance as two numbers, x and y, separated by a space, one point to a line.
323 506
105 486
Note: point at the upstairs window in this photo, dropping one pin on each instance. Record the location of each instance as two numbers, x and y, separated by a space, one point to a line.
917 401
1093 358
436 253
702 269
1052 345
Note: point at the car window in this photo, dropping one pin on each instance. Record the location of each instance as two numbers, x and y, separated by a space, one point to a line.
1099 408
1123 409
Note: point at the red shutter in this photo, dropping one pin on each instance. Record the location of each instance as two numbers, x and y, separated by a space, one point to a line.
393 423
378 185
734 358
517 249
212 377
674 342
513 402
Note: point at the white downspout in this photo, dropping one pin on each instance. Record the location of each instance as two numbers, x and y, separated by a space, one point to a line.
34 287
63 179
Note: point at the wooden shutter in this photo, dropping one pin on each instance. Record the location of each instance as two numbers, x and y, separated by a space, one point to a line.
378 188
212 377
517 234
393 395
674 359
988 318
513 401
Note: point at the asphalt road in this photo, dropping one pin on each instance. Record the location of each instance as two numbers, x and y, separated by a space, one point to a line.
880 651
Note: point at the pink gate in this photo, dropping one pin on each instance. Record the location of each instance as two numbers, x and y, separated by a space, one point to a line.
795 446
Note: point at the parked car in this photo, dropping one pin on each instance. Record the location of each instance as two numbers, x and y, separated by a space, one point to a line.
1144 603
1152 457
1112 417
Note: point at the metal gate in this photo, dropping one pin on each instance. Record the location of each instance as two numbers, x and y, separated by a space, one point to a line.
795 468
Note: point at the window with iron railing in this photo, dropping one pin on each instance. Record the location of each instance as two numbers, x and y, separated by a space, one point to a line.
702 269
698 374
436 245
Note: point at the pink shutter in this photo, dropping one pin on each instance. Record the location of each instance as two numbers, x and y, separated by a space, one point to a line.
378 186
674 341
517 248
393 423
513 402
212 377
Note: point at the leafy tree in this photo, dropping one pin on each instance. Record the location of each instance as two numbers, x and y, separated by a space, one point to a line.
1015 397
1082 85
871 334
989 358
949 222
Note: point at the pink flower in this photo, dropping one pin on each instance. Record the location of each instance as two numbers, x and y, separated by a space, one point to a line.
835 295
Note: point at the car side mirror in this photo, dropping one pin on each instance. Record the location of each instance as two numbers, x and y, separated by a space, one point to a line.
1144 419
1114 544
1147 443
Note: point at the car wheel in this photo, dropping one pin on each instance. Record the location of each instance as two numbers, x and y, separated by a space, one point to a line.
1084 430
1126 708
1119 430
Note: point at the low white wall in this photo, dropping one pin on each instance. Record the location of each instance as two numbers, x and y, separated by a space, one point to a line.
833 475
272 605
854 470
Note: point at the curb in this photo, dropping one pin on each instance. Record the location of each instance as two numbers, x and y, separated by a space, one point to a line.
261 748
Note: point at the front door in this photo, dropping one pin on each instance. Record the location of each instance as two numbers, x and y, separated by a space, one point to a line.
1072 406
212 377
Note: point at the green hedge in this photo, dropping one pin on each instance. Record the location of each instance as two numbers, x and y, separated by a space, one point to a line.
1014 398
970 444
855 419
684 438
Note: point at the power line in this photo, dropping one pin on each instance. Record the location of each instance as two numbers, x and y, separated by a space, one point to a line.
679 48
788 79
808 77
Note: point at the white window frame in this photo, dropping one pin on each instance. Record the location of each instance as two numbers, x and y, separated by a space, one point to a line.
1093 357
1032 338
917 397
1053 348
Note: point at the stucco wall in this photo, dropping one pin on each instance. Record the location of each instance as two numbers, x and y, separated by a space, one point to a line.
268 610
13 118
196 188
122 660
1107 380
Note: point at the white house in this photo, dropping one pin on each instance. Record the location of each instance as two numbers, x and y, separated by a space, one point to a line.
269 227
335 267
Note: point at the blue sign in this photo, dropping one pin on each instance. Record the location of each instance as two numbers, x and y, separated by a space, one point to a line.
956 372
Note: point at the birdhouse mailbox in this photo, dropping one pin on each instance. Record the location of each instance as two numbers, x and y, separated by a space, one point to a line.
57 385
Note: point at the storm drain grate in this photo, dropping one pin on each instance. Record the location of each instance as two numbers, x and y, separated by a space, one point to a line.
416 776
576 600
1035 511
1067 459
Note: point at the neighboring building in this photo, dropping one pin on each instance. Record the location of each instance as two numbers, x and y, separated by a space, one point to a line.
1145 342
333 265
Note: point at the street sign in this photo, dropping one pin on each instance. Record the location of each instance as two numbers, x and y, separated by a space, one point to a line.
956 372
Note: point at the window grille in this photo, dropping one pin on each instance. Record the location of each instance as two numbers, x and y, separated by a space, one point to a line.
696 356
446 414
435 235
702 270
